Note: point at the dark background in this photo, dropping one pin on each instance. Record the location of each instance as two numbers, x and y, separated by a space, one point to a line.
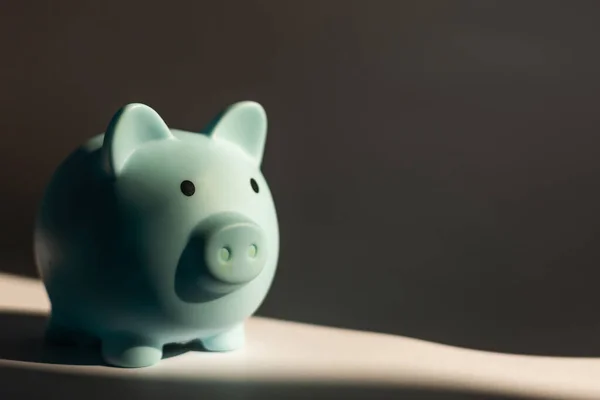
434 163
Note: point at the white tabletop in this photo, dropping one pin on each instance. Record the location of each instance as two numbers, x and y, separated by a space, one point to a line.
281 360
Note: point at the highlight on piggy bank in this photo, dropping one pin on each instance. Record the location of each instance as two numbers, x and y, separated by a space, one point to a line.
148 235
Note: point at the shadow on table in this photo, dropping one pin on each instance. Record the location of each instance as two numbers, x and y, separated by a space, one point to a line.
20 382
23 342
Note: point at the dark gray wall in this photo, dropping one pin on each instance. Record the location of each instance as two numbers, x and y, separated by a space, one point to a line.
435 164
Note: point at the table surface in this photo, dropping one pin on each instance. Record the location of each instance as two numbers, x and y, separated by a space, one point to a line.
282 359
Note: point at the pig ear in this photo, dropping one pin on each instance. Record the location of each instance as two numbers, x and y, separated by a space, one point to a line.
131 127
243 124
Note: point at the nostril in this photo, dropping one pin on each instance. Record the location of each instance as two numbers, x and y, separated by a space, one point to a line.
252 251
225 254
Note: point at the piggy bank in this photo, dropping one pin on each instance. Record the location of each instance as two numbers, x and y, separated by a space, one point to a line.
147 235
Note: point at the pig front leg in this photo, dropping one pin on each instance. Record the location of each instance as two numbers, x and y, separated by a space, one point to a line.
131 350
232 339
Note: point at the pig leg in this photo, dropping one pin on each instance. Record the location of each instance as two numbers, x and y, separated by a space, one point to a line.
229 340
130 350
59 333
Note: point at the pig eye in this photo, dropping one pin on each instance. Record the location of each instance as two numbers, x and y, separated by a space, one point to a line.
254 185
188 188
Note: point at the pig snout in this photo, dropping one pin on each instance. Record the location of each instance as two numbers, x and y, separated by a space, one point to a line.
235 248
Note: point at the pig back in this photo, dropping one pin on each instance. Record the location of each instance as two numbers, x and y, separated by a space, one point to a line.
76 227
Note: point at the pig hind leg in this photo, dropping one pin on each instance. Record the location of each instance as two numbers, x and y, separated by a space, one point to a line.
59 332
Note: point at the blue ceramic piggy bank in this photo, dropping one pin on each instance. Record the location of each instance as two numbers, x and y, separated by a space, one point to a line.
148 235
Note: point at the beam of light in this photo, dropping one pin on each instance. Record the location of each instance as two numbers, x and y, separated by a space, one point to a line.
289 352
